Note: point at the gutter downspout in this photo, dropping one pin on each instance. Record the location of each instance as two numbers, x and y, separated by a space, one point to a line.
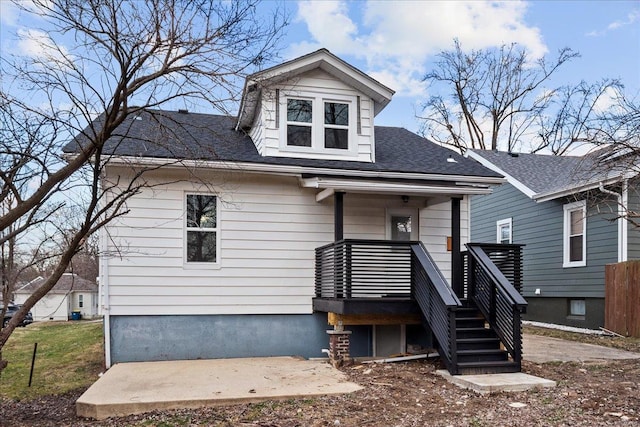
622 226
103 294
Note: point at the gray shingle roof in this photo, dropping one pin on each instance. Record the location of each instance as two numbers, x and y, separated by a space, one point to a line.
193 136
542 173
67 283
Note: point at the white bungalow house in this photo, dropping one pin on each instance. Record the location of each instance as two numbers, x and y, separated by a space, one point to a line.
260 230
70 294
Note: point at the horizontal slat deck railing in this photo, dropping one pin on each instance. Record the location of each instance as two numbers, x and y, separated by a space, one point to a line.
363 269
438 303
508 259
499 300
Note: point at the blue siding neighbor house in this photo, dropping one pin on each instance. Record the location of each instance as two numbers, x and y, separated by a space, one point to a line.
567 213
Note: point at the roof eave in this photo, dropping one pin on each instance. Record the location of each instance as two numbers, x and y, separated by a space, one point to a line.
296 170
568 191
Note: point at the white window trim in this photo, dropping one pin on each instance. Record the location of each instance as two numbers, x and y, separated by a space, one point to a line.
499 225
568 208
201 265
317 123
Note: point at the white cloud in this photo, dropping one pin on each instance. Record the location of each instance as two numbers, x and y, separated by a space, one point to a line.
609 100
632 17
397 38
8 13
38 45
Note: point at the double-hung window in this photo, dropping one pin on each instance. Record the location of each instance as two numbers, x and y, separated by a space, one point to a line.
336 125
575 235
201 228
503 231
318 124
299 122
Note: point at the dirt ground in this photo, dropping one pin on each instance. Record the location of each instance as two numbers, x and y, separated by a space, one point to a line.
398 394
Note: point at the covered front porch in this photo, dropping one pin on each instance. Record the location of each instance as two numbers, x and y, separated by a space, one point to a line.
468 301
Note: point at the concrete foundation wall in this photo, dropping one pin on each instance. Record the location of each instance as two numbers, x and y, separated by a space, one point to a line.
152 338
556 310
149 338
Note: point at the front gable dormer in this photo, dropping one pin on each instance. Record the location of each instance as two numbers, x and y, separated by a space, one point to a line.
316 106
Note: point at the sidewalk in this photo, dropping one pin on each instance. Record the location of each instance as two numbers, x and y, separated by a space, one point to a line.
541 349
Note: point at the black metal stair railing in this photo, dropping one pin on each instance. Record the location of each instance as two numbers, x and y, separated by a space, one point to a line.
494 294
438 303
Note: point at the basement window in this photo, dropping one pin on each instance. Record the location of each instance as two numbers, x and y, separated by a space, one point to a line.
577 308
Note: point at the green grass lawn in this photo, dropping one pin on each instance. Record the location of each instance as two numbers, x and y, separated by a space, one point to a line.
70 355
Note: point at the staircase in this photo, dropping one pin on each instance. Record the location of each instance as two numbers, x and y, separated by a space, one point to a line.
481 334
478 346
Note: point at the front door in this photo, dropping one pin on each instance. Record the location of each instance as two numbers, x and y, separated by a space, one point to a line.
402 224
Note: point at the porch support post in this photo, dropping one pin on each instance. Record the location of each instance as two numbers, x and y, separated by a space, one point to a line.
338 215
456 260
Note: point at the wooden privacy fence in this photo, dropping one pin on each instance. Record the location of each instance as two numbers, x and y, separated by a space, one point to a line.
622 298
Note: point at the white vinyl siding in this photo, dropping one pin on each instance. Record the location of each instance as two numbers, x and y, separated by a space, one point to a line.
270 136
435 227
269 229
575 234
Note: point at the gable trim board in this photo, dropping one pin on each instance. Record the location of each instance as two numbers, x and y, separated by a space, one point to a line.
322 59
486 163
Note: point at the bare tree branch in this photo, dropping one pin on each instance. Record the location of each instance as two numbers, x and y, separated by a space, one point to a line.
101 63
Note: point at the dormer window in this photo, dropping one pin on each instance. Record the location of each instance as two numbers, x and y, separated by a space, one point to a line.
336 125
314 123
299 124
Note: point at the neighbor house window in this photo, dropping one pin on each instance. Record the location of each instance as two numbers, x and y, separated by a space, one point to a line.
201 228
318 124
504 233
577 308
575 233
80 300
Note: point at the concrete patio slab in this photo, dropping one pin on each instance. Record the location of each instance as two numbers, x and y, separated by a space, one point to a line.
132 388
494 383
541 349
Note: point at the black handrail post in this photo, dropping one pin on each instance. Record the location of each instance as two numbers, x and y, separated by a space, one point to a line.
338 216
453 346
338 253
471 278
348 266
318 280
456 268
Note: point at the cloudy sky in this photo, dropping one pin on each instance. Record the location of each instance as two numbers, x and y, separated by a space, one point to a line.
396 42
